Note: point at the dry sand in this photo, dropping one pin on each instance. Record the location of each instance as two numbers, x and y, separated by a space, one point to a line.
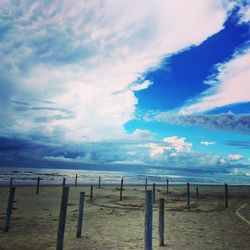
111 224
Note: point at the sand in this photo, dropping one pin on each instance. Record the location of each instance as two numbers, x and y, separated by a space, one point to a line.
113 224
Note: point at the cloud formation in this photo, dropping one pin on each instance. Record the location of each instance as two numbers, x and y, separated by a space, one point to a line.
240 144
86 58
235 157
172 146
229 86
206 143
228 121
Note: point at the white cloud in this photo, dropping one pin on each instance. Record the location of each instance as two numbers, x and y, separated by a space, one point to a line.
206 143
222 161
245 12
178 144
171 145
142 134
230 86
235 157
83 57
141 86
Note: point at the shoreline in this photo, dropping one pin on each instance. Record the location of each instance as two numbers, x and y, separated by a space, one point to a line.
125 184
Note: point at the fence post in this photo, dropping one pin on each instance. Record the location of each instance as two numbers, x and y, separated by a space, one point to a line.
167 186
37 185
197 191
161 222
188 194
153 192
121 189
91 192
146 184
148 221
11 181
76 181
62 218
9 209
99 184
226 196
80 215
64 182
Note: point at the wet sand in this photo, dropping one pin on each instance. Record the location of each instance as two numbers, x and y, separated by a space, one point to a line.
113 224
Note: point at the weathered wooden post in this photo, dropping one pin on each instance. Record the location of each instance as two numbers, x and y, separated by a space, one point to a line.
153 192
148 221
11 181
64 182
161 222
188 194
62 218
226 196
37 185
9 209
146 184
91 192
167 186
121 189
76 181
99 183
80 215
197 191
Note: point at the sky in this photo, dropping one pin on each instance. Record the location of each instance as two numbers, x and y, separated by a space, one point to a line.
147 83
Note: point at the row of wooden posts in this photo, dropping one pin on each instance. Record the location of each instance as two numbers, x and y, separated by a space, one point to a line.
149 201
121 188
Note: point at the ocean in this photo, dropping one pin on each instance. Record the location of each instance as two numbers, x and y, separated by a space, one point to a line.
136 175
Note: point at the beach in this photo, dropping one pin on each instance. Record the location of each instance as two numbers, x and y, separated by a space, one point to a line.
113 224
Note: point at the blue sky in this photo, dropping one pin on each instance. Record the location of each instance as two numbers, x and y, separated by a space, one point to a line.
158 83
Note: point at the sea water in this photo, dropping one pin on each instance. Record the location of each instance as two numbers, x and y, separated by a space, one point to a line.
54 176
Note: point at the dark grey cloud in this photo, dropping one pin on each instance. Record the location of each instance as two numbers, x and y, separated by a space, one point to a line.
21 103
53 109
15 144
23 106
226 121
53 117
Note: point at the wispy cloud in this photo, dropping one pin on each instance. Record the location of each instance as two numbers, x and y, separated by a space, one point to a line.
229 86
83 57
206 143
228 121
240 144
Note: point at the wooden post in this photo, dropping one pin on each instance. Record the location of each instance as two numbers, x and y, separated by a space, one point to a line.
80 215
64 182
9 209
188 194
121 189
161 222
99 183
146 184
91 192
153 192
167 186
62 218
11 181
197 191
226 196
76 181
148 221
38 185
